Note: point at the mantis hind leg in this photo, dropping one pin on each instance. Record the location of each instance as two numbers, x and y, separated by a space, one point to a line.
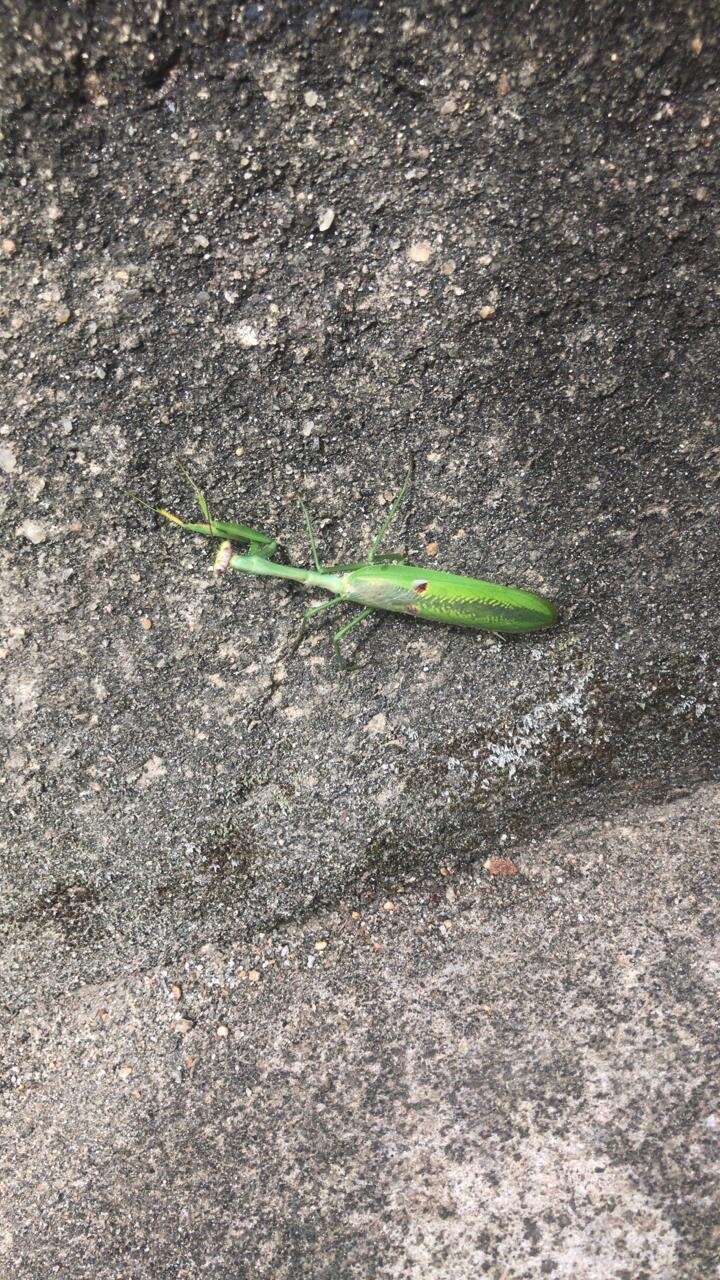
310 613
307 617
344 631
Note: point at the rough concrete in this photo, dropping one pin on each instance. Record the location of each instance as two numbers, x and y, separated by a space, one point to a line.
502 1078
518 291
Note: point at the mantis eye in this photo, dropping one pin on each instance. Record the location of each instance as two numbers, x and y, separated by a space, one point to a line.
420 587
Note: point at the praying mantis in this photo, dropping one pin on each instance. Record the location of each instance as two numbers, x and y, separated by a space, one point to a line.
379 582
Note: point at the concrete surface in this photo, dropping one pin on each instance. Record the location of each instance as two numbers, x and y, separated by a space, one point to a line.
500 1077
517 290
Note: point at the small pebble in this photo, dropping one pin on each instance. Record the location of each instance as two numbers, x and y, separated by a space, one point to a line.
432 549
321 945
33 531
8 460
326 219
8 247
487 313
420 251
503 85
222 1032
501 867
125 1071
176 991
247 336
378 724
311 98
62 315
146 624
184 1025
254 975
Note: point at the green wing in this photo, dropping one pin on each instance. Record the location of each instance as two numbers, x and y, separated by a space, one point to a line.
448 597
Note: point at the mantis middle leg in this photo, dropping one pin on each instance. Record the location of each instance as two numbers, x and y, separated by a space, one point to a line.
344 631
392 513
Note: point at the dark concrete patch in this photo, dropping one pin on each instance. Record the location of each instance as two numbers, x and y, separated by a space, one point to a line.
165 183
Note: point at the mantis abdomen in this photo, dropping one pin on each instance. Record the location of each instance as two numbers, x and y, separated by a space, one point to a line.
422 593
446 597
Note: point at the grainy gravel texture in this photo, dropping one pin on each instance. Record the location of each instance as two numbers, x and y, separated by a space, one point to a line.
295 247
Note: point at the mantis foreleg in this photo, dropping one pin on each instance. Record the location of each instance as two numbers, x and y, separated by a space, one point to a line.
260 543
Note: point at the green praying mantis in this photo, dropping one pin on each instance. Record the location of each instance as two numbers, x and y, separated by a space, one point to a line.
379 582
